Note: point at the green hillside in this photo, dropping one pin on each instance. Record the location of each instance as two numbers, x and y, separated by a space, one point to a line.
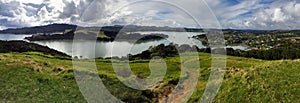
36 77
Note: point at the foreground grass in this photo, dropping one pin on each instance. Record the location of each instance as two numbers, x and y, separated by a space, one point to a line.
36 77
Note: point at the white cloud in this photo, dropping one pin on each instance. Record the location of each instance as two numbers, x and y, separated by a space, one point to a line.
248 14
2 27
279 16
252 14
20 13
32 1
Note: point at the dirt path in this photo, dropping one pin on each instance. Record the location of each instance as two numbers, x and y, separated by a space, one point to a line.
183 90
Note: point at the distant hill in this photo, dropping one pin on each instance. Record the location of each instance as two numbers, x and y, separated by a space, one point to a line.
40 29
53 28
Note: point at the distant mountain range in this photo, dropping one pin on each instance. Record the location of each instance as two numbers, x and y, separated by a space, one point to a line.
40 29
54 28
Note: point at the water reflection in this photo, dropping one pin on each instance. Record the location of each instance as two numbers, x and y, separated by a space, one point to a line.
90 49
12 37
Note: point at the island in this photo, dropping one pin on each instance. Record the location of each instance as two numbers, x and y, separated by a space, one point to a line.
106 36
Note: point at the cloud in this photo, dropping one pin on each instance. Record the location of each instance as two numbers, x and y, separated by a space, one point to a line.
275 15
92 12
170 13
2 27
20 13
244 14
26 13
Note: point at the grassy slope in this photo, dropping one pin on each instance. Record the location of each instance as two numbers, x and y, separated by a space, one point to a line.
33 77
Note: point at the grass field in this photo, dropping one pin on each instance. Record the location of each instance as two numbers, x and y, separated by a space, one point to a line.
36 77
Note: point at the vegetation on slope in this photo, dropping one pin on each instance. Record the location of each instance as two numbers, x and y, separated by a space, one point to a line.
267 45
22 46
36 77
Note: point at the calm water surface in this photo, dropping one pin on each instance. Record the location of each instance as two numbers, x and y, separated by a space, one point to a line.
92 49
12 37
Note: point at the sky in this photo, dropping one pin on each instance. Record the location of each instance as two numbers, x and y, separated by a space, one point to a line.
235 14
